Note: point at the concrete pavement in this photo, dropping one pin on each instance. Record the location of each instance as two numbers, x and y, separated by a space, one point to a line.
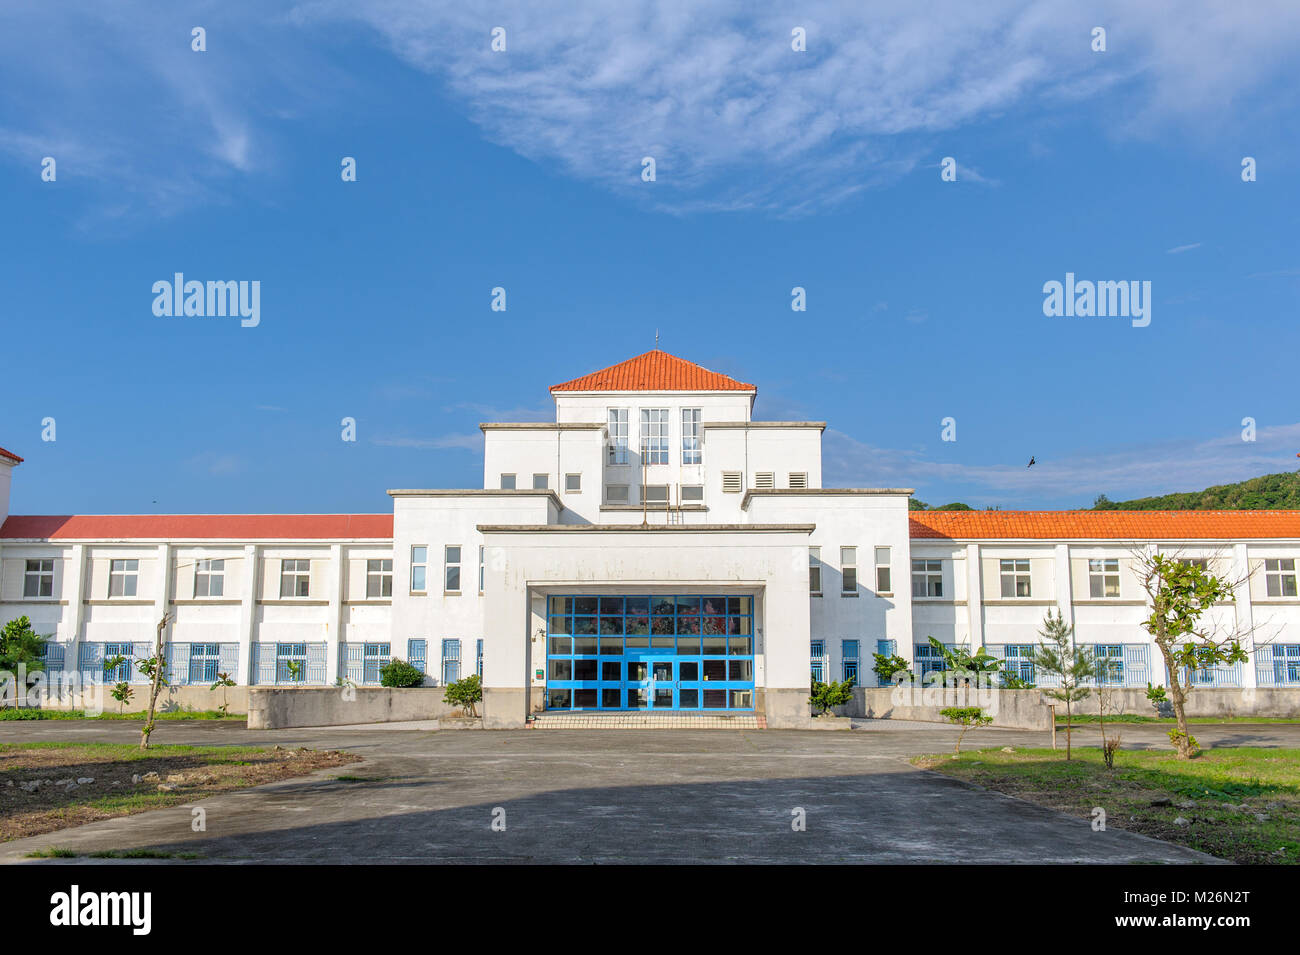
618 796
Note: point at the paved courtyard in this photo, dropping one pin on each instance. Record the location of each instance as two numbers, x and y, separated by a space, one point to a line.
652 796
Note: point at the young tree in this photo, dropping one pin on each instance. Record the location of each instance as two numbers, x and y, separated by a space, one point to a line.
465 693
824 696
21 646
224 682
961 666
1179 593
887 667
1057 656
153 668
965 717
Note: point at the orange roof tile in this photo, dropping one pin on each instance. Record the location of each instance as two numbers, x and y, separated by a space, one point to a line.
188 527
11 456
654 371
1104 525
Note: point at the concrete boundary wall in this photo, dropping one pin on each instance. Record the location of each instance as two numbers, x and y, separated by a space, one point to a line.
1018 709
279 707
97 698
1277 702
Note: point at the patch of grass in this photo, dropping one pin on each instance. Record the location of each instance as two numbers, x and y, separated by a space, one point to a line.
1238 804
1134 718
29 713
133 854
54 852
362 779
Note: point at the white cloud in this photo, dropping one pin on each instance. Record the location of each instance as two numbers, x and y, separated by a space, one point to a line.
444 442
1178 249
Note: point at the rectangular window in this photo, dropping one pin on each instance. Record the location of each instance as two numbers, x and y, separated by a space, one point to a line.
209 579
480 568
1109 658
419 569
451 569
478 665
732 481
416 651
450 661
291 662
764 480
814 570
205 659
817 652
379 578
122 576
691 453
848 570
1015 577
618 436
849 656
295 578
1279 576
38 581
1018 661
616 493
798 480
507 482
654 493
573 483
884 576
374 657
1103 577
692 493
125 671
927 578
654 435
541 482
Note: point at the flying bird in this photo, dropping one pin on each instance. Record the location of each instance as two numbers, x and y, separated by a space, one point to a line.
1031 461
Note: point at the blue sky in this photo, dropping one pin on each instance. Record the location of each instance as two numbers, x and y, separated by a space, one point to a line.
522 169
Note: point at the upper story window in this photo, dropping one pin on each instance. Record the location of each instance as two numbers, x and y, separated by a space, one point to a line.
884 573
618 436
451 565
1103 577
848 570
122 575
295 578
1015 577
419 569
654 493
541 482
38 581
616 493
481 550
692 493
927 578
1279 576
691 453
814 570
1200 562
654 435
573 483
507 482
210 578
379 578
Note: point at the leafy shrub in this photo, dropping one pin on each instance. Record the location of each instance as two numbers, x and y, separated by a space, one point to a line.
965 717
465 693
826 695
887 667
400 673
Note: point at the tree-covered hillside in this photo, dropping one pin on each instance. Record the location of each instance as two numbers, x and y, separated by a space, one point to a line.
1270 492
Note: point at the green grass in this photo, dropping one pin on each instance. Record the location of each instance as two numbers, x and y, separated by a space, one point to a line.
54 852
1134 718
27 713
1211 787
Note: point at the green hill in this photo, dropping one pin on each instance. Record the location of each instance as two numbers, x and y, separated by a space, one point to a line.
1270 492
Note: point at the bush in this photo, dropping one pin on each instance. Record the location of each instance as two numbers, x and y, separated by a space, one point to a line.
887 666
400 673
826 695
465 693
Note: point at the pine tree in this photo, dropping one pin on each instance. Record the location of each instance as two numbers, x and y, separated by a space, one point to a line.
1057 656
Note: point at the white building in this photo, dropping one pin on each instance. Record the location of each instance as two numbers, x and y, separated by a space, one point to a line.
653 548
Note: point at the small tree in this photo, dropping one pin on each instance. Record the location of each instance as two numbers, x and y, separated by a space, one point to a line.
153 667
122 692
1159 699
1106 670
224 682
1057 656
465 693
827 695
296 670
1179 593
965 717
960 665
21 647
399 673
889 666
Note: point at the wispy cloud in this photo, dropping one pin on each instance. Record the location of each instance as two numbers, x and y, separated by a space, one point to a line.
1176 250
444 442
1136 471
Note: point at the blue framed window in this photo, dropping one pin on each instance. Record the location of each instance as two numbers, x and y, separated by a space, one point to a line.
817 657
887 648
1017 660
205 661
641 652
285 654
478 653
417 653
124 672
1286 663
849 653
450 660
928 660
374 656
1109 659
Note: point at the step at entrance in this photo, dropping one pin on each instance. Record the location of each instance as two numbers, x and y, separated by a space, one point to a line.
653 720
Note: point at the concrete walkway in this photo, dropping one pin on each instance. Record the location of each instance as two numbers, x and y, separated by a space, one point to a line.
647 796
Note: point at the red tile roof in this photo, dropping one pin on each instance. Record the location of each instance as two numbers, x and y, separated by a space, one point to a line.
11 456
654 371
188 527
1104 525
